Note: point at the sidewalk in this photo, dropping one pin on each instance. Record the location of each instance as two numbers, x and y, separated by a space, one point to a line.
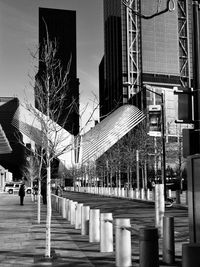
16 237
22 240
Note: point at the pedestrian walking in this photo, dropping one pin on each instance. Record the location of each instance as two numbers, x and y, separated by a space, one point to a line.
59 191
44 193
22 193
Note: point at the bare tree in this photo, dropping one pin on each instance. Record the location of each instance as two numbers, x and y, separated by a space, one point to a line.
51 91
30 171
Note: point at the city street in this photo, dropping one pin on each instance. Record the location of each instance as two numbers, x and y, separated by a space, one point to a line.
100 106
23 240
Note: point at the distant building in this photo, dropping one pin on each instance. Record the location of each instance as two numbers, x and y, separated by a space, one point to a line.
61 26
15 160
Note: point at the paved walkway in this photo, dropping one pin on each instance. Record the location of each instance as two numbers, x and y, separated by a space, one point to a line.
16 237
22 240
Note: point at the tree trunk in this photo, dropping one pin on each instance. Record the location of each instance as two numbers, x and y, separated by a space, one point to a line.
128 177
111 182
107 178
48 217
32 197
119 178
143 182
39 201
131 179
137 169
145 174
116 179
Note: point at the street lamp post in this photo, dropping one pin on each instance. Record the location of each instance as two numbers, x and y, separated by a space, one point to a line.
149 88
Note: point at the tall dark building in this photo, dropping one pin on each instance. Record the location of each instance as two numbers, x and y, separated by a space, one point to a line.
155 51
15 160
61 26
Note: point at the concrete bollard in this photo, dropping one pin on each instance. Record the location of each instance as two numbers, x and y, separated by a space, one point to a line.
69 211
168 240
103 191
186 197
106 191
64 208
106 232
118 192
137 193
99 190
122 192
115 191
85 216
142 193
123 243
130 193
148 194
149 253
153 194
73 211
56 203
94 225
109 191
78 215
60 205
190 255
159 207
126 192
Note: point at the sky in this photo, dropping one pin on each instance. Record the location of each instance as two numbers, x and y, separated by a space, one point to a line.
19 38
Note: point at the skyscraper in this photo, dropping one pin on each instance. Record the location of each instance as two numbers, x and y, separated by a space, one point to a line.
139 49
60 26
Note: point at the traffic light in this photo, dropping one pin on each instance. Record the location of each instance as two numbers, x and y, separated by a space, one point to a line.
155 120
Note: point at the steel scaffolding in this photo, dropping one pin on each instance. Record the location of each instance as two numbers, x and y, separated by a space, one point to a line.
133 46
184 58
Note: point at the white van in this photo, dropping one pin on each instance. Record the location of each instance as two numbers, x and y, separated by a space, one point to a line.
13 187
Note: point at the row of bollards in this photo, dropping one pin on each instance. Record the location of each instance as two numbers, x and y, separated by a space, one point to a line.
99 227
149 195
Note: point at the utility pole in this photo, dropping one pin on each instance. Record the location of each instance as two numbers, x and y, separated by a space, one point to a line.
137 174
193 169
196 66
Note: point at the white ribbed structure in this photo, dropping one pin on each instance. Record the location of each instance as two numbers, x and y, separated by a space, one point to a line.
92 144
4 143
105 134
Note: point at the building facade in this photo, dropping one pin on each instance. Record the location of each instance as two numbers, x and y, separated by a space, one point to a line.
60 27
141 49
14 161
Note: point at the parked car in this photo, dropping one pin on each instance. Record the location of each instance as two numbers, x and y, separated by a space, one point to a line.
13 187
8 186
